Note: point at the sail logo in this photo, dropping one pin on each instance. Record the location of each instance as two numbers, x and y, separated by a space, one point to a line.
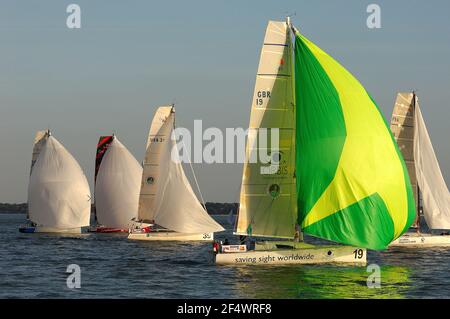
213 146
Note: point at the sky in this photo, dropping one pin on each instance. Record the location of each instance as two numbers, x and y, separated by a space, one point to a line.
129 57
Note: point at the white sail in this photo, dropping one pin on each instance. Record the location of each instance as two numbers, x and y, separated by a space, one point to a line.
39 141
58 192
263 211
435 195
159 134
402 127
172 202
117 187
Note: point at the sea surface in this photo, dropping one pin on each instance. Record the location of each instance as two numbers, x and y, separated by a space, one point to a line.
34 266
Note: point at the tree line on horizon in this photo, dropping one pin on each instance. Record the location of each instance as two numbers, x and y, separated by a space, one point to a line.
212 208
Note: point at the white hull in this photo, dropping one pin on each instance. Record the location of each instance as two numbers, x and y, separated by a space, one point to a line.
315 255
43 229
421 240
171 236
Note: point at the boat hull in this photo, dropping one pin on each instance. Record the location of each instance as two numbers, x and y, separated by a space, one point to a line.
171 236
43 229
107 230
314 255
421 240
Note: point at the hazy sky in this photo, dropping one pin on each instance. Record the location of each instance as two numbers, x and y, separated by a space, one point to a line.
131 56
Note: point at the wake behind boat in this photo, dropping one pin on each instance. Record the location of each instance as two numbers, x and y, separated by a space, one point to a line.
328 174
430 190
58 192
167 202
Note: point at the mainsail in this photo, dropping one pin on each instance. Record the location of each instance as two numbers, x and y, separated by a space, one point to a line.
435 195
402 127
58 192
268 201
352 183
117 187
166 195
39 140
159 134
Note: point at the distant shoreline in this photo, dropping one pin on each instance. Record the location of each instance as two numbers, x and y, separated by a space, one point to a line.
212 208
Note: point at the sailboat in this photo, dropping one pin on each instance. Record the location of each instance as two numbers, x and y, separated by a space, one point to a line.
167 203
330 179
58 192
431 194
117 185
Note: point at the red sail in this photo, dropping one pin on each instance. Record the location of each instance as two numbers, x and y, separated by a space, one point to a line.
102 146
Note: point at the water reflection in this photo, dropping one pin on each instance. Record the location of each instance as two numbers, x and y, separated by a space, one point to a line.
324 281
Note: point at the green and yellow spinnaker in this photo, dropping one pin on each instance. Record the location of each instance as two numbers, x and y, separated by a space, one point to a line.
352 183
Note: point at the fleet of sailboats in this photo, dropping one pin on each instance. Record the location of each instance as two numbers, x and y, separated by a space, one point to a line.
338 174
431 194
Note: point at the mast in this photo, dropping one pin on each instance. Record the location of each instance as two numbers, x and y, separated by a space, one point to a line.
413 104
298 235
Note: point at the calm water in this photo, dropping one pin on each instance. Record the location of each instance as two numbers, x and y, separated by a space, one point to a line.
34 265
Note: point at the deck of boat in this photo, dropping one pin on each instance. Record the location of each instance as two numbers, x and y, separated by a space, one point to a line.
417 240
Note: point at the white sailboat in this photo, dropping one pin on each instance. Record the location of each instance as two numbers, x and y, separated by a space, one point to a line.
431 194
58 192
329 177
117 187
167 202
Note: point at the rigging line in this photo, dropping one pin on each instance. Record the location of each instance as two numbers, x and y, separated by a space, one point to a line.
195 178
190 163
196 183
